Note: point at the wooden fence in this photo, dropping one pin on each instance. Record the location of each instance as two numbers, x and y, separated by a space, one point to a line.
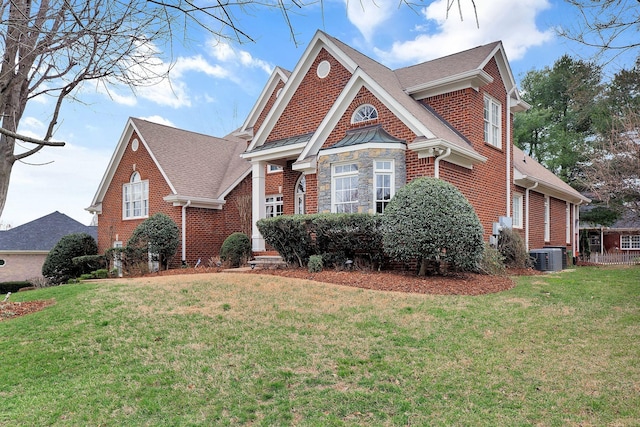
628 258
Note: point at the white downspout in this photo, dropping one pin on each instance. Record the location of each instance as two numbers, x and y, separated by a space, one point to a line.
509 142
526 231
436 164
184 231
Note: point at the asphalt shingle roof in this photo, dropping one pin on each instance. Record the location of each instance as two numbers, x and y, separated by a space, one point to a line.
42 234
197 165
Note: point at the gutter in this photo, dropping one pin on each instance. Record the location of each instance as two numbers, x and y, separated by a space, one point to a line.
436 163
184 232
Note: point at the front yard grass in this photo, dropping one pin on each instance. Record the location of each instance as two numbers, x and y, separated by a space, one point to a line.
233 349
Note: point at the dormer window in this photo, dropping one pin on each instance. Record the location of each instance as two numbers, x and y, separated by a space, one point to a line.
364 113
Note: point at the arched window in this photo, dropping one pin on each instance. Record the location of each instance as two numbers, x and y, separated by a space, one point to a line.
135 197
301 191
364 113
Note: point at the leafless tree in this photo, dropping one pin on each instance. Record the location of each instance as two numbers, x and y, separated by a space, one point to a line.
613 171
53 48
611 26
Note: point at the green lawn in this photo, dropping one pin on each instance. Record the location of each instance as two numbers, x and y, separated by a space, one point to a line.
231 349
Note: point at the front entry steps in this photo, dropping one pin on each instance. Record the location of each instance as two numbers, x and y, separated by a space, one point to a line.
267 260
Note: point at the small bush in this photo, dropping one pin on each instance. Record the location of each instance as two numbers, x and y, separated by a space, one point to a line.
59 267
6 287
315 264
492 261
236 249
102 273
87 276
39 282
158 235
513 250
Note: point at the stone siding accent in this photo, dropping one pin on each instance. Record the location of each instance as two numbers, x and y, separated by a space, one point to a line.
364 158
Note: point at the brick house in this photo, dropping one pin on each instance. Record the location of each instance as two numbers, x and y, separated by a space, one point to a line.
348 132
24 249
200 181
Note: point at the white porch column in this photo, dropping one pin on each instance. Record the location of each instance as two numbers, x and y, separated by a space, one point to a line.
258 209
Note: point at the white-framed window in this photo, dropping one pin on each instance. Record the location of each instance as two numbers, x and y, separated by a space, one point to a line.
274 205
135 198
383 184
516 210
273 168
492 122
344 184
300 194
364 113
630 242
547 219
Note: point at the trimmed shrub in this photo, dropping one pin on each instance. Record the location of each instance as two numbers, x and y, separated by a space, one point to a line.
158 235
14 286
339 237
290 236
430 219
512 247
315 264
101 273
236 249
59 267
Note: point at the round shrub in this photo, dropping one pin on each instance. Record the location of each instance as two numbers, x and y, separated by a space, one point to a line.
59 267
158 235
236 249
429 219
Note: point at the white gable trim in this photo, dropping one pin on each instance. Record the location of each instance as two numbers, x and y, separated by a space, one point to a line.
474 79
278 75
116 157
359 80
319 41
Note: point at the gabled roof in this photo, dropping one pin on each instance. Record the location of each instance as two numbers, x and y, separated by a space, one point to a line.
384 83
42 234
196 167
529 173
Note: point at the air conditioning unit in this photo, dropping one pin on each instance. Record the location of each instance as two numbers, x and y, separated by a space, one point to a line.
548 259
564 254
540 259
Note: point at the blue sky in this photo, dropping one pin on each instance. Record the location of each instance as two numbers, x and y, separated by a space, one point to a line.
215 83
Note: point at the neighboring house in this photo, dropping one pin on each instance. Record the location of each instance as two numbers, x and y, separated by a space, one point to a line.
349 132
24 249
200 181
623 236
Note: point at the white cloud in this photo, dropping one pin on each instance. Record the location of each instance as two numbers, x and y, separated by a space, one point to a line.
224 52
367 15
513 22
159 119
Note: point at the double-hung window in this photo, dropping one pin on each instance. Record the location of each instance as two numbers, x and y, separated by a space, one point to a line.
492 122
345 188
383 179
135 198
274 206
516 211
630 242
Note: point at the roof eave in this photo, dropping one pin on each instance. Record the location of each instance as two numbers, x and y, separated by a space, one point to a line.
194 202
544 187
289 152
459 156
474 79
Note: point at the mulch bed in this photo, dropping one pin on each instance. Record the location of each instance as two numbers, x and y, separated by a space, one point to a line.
9 310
